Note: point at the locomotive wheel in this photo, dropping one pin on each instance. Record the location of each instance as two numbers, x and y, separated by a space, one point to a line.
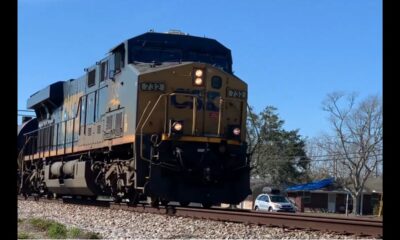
133 199
92 198
206 204
117 199
154 202
184 204
49 195
164 202
58 196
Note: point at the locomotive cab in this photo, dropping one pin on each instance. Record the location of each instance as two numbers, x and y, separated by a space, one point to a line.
191 122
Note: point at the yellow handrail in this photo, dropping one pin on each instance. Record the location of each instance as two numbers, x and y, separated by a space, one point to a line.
152 110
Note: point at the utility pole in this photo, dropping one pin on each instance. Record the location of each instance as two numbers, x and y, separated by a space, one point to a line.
362 203
347 204
380 205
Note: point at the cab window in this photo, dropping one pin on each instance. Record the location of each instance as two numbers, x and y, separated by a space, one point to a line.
104 71
216 82
91 79
119 58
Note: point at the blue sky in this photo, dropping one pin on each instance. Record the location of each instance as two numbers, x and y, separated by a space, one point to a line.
290 52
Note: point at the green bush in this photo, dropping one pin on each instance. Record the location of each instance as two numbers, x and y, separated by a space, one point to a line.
57 230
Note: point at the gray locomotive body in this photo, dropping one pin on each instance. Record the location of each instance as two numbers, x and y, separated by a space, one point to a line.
162 116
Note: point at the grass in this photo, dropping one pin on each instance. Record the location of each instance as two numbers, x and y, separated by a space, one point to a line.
57 230
75 232
43 228
78 233
24 235
41 224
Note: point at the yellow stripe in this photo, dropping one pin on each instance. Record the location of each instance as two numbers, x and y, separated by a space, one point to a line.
165 137
80 148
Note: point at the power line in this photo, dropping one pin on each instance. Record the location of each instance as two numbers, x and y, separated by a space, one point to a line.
20 110
334 156
291 159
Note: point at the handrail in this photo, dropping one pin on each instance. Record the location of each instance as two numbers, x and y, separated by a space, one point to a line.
73 118
152 110
21 152
194 116
141 129
221 101
20 160
141 117
219 116
55 129
137 125
53 124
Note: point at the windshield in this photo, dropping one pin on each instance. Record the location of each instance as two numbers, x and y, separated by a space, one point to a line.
176 55
158 48
278 199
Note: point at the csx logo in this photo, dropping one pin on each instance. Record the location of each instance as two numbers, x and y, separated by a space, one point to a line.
211 99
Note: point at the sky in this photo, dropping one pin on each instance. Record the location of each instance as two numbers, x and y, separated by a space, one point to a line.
291 53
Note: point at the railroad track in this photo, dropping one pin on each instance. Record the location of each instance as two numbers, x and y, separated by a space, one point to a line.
342 225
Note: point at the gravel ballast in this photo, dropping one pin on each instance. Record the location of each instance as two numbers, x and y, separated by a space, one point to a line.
112 224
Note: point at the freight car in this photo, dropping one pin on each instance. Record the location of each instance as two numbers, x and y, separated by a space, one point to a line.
161 117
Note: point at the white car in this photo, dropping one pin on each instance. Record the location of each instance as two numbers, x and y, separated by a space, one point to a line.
275 203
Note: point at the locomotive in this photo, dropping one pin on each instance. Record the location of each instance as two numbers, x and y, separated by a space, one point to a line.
161 117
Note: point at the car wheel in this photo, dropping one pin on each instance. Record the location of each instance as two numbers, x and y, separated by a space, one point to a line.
270 209
256 208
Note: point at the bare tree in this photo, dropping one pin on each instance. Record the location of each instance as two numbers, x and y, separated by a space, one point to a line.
320 167
354 150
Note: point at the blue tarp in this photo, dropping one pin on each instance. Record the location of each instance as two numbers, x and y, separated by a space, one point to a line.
312 185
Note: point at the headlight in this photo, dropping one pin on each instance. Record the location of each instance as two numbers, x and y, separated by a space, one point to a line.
274 205
177 126
198 81
236 131
198 73
198 77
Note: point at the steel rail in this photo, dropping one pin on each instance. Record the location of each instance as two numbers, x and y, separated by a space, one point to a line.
341 225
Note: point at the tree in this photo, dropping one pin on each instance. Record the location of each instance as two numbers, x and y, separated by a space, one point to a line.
276 154
354 149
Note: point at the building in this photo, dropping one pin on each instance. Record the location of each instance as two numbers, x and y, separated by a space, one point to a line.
327 196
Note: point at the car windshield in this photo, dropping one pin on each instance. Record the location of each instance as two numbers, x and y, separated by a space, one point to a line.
278 199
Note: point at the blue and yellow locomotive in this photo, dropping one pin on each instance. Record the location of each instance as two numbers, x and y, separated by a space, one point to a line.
162 116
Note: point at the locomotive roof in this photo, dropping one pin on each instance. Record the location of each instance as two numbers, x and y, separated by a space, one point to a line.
177 47
180 41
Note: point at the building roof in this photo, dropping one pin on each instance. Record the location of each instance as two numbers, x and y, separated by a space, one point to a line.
312 185
372 185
